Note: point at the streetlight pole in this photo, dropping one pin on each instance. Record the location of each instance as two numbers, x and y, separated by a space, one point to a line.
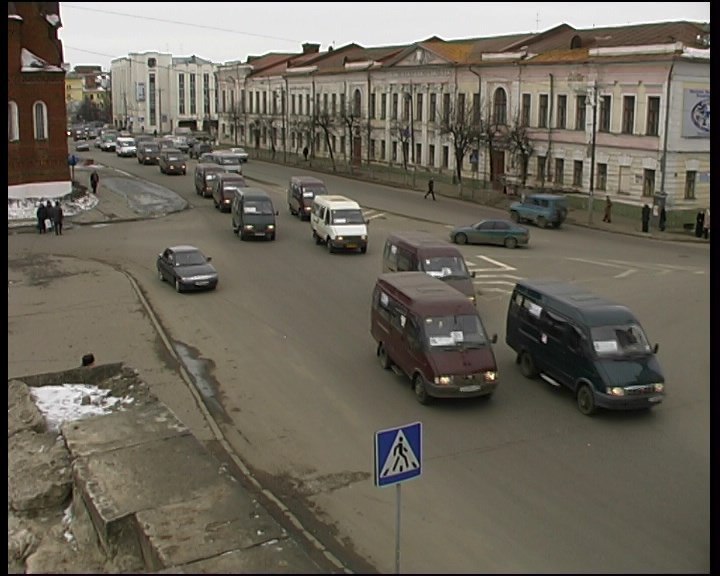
592 154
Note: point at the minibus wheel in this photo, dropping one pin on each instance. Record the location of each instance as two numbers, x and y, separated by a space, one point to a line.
420 391
585 400
385 361
527 365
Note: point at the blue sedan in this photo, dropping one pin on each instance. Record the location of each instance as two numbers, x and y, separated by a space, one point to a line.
499 232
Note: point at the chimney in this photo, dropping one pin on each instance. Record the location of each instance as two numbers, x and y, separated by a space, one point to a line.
310 48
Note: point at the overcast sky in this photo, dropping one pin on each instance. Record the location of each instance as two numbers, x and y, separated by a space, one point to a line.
94 33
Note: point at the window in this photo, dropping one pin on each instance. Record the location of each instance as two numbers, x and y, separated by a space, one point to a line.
372 105
419 107
653 116
500 107
432 112
193 95
152 104
40 120
562 111
543 111
292 105
394 151
383 106
357 104
476 109
541 160
13 128
407 103
394 109
446 108
431 155
445 156
343 109
333 105
372 148
580 111
181 94
206 94
460 116
325 108
690 177
602 177
418 152
559 170
628 122
577 173
525 109
604 114
648 182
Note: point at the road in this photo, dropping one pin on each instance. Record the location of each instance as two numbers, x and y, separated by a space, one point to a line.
520 483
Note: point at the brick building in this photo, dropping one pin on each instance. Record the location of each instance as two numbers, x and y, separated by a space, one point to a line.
37 143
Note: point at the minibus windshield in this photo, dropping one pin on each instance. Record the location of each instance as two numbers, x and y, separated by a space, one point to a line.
445 267
455 332
347 216
620 340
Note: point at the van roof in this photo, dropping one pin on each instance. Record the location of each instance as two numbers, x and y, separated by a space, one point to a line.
577 302
250 192
429 243
337 201
307 180
424 294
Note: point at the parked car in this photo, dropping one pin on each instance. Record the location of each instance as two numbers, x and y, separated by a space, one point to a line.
241 152
499 232
172 161
125 147
187 268
541 209
82 146
148 153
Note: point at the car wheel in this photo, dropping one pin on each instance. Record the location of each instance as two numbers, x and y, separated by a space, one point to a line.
316 237
178 287
461 239
385 361
329 245
527 365
514 216
363 250
541 222
160 275
585 400
511 243
420 390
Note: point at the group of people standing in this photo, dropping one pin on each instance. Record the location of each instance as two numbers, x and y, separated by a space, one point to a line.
50 217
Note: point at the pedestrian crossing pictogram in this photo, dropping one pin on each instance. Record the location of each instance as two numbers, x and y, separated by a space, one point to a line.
398 454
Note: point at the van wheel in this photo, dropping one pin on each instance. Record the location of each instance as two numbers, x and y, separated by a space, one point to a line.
178 286
527 365
461 239
385 361
329 246
514 216
363 250
542 222
420 391
316 237
585 400
510 242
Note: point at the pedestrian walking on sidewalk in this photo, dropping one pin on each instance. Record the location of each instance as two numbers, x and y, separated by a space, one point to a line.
431 189
58 221
607 217
49 217
646 218
94 181
663 219
41 214
706 224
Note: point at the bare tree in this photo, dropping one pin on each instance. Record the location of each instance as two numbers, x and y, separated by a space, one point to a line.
351 117
327 124
520 147
402 130
464 127
237 118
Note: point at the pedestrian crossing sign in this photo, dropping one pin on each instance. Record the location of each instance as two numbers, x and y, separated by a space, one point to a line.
398 454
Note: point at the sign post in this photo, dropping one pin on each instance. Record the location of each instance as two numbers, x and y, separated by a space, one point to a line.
398 457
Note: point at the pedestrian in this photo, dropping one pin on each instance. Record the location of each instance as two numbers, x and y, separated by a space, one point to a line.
699 223
305 153
58 222
94 180
663 219
646 218
608 208
706 224
49 216
41 214
88 360
430 189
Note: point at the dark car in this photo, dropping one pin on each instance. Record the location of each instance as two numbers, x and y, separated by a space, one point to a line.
499 232
199 147
172 161
224 187
205 175
148 153
541 209
187 268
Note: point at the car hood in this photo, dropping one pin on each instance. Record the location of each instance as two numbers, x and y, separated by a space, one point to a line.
350 229
197 270
631 371
467 361
463 285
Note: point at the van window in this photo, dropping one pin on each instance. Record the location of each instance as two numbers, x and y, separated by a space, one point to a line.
347 216
462 331
257 207
445 267
625 340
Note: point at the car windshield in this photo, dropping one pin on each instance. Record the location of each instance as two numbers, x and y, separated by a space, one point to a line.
445 267
258 207
620 340
311 191
227 160
189 258
348 216
454 332
174 158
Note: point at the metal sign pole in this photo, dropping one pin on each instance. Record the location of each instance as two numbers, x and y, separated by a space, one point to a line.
397 528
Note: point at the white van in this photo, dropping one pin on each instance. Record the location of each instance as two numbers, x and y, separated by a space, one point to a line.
338 222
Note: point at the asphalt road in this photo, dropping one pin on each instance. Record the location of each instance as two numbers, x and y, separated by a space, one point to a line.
520 483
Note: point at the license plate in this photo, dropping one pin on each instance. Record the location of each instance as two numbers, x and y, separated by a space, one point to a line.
351 245
202 283
471 388
655 399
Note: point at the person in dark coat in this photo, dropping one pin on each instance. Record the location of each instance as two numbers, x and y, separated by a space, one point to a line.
699 224
41 214
58 220
431 189
663 219
607 216
646 218
50 213
94 180
306 152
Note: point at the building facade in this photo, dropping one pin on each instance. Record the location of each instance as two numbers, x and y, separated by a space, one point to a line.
37 144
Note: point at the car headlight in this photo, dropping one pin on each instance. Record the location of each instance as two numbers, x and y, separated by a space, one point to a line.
659 387
363 237
615 391
199 277
271 226
248 227
490 376
444 380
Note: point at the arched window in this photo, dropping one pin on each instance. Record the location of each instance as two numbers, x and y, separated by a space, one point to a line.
40 120
13 127
500 106
357 103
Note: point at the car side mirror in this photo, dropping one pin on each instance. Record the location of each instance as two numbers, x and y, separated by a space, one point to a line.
277 212
494 339
656 348
208 258
472 274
